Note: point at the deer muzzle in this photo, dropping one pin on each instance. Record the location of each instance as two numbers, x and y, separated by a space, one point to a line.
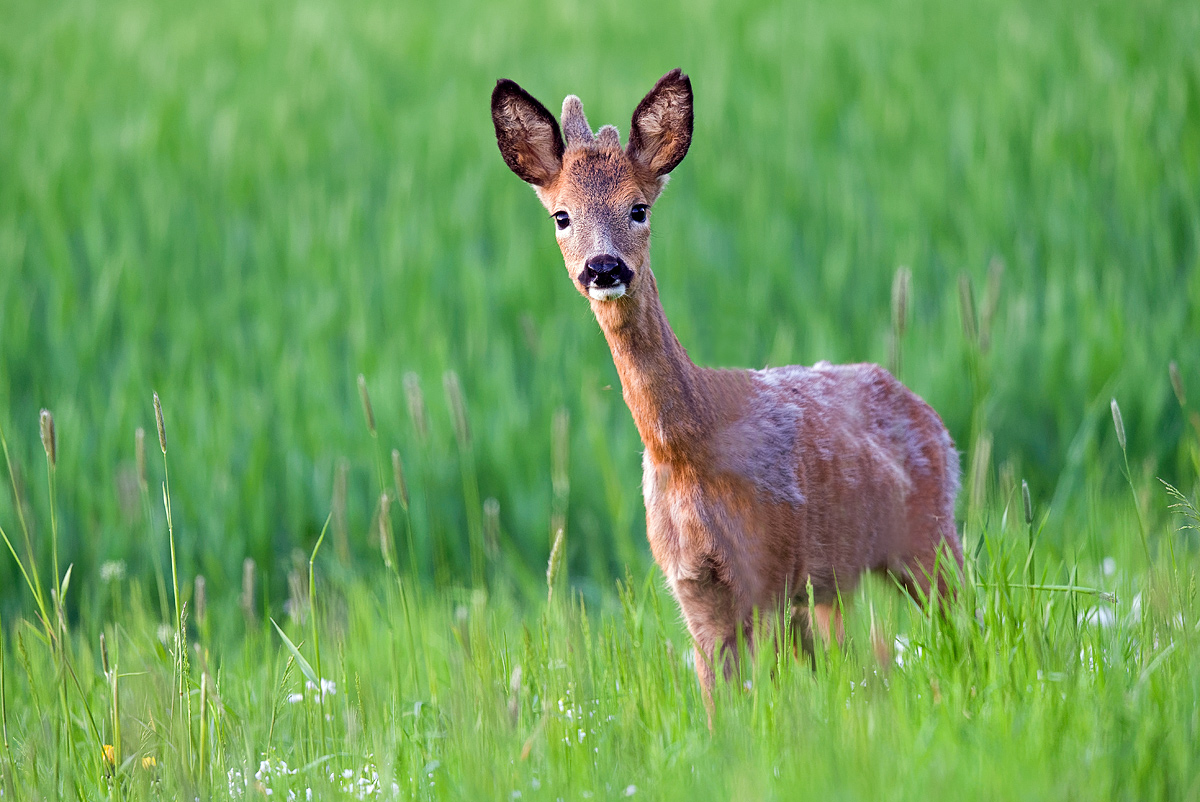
605 277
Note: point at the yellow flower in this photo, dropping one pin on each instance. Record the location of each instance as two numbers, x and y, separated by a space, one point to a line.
148 762
110 755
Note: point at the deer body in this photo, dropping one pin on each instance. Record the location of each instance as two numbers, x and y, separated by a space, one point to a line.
757 484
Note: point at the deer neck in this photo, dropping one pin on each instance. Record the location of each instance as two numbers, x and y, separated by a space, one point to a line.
661 386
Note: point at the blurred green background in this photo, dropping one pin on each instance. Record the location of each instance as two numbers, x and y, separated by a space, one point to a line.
245 205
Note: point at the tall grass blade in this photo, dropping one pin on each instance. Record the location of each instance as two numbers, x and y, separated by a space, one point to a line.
470 481
10 775
553 565
901 287
316 639
31 573
1119 425
305 668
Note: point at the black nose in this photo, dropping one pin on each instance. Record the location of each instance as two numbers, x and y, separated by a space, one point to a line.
605 270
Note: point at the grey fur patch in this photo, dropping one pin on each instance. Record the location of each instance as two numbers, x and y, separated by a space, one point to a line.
761 448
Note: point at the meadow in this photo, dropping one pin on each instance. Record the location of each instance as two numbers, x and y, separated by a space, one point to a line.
267 212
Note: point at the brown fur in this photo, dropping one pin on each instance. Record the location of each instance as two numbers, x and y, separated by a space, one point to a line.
757 483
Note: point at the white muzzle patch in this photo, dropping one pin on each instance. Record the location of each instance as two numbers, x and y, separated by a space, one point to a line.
607 293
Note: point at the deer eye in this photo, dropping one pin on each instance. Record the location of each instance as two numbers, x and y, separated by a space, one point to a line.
638 213
562 220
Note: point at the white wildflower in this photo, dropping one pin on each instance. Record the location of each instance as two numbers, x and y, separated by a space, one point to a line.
1102 617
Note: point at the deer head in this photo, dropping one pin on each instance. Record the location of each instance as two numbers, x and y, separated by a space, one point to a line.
598 195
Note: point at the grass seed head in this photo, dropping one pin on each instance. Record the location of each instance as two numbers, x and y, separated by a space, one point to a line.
49 438
991 301
139 448
398 478
458 407
298 601
560 450
104 656
248 589
385 520
553 564
1118 424
966 302
366 403
1177 383
980 462
201 599
1026 502
416 405
514 693
491 525
901 284
162 427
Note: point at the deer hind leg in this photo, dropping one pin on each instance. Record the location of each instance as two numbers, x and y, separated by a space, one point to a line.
930 553
926 572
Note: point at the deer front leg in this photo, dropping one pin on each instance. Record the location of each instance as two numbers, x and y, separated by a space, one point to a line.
710 609
706 676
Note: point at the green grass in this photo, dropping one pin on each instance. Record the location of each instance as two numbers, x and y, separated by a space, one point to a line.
470 695
244 207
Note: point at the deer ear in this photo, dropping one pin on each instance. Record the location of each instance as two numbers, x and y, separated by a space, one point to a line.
662 125
527 134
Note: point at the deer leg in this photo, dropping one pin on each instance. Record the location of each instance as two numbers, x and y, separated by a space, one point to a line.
704 673
718 654
711 654
710 609
825 619
829 616
924 574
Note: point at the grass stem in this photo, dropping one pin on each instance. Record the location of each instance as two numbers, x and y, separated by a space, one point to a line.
316 638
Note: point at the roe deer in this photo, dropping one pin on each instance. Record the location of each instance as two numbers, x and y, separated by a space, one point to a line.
757 483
